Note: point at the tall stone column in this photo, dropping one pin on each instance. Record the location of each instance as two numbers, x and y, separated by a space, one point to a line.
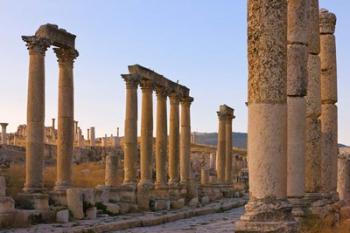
35 114
146 132
221 148
53 123
228 149
130 130
65 139
3 133
92 136
185 140
267 209
297 53
161 138
313 109
88 134
329 112
174 140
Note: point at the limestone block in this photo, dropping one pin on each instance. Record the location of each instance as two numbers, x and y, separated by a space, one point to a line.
102 194
297 70
297 21
267 39
112 208
75 202
62 216
327 22
193 202
345 212
313 98
7 204
264 181
91 213
88 196
313 155
2 186
160 204
328 69
124 207
343 186
313 28
144 195
177 204
205 200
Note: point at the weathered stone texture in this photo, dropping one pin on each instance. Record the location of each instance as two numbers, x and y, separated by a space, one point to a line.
328 21
313 98
267 39
343 184
297 70
298 21
313 28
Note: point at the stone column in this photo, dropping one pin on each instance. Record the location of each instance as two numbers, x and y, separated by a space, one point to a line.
161 138
146 133
297 55
221 148
267 209
92 136
88 134
313 108
75 130
53 123
35 114
329 112
65 139
185 140
228 148
212 161
204 176
111 172
174 140
3 133
130 130
343 184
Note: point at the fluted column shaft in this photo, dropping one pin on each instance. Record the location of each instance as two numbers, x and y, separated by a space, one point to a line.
221 148
35 114
65 139
146 132
228 150
130 131
329 111
185 140
174 140
161 138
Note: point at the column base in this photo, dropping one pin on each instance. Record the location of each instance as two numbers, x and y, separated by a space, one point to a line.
268 215
144 195
33 201
33 189
62 186
299 207
58 197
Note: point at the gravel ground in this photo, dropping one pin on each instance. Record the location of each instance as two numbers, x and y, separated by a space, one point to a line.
213 223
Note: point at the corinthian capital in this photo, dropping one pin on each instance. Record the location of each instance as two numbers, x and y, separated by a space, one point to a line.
36 45
66 55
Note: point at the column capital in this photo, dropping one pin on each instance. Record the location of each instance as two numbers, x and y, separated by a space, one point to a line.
131 81
222 116
328 21
187 100
36 45
4 124
161 91
66 55
174 98
146 85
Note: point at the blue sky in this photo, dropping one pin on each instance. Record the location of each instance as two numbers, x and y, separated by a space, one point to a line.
201 43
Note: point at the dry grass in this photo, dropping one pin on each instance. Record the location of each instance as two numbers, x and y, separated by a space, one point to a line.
313 224
83 175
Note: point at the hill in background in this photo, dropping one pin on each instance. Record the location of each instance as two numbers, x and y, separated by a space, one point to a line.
238 139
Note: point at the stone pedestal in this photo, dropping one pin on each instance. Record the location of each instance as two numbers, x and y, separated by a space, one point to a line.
268 209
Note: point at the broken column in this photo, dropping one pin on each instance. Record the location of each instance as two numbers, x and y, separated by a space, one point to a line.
313 109
92 136
268 209
65 130
145 184
297 56
329 112
111 172
35 114
3 133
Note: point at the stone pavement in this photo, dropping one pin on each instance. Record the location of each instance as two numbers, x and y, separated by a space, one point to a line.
211 223
145 219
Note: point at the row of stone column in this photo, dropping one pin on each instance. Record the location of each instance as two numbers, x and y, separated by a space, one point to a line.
178 142
36 114
292 143
224 146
